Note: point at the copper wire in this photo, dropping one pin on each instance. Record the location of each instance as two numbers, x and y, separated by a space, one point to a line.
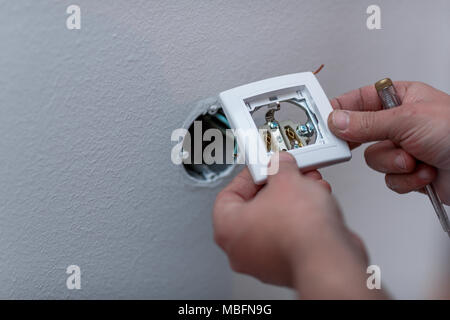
318 70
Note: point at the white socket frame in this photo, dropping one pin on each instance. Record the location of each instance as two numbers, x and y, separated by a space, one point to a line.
238 102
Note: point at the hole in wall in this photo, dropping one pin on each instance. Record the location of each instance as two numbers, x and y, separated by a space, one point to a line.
201 171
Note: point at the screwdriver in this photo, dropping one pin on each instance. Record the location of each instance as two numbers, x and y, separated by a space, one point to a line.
390 99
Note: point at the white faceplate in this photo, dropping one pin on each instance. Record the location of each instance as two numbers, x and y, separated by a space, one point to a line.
237 104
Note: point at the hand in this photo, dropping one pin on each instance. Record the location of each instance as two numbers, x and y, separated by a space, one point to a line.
290 232
418 129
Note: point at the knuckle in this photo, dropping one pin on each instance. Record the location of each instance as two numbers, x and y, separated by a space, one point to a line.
366 122
403 123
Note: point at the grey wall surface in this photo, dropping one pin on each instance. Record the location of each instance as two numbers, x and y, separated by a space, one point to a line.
85 123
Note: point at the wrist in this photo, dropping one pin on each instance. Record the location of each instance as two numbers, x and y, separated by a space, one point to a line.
331 269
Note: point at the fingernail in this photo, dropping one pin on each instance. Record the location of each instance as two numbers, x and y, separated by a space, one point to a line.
424 175
341 119
400 162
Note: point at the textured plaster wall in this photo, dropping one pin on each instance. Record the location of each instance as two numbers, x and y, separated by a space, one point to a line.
85 123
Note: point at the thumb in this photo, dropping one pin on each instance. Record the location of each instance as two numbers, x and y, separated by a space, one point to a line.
356 126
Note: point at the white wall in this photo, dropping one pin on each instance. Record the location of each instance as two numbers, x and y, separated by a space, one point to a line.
85 123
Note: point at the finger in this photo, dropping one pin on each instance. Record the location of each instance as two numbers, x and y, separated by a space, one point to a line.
325 185
317 177
353 145
369 126
241 188
404 183
313 175
366 98
227 211
387 158
287 167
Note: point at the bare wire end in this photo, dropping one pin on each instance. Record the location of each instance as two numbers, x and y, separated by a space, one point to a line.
318 70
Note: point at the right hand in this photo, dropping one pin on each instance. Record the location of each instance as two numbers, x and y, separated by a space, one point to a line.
418 129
